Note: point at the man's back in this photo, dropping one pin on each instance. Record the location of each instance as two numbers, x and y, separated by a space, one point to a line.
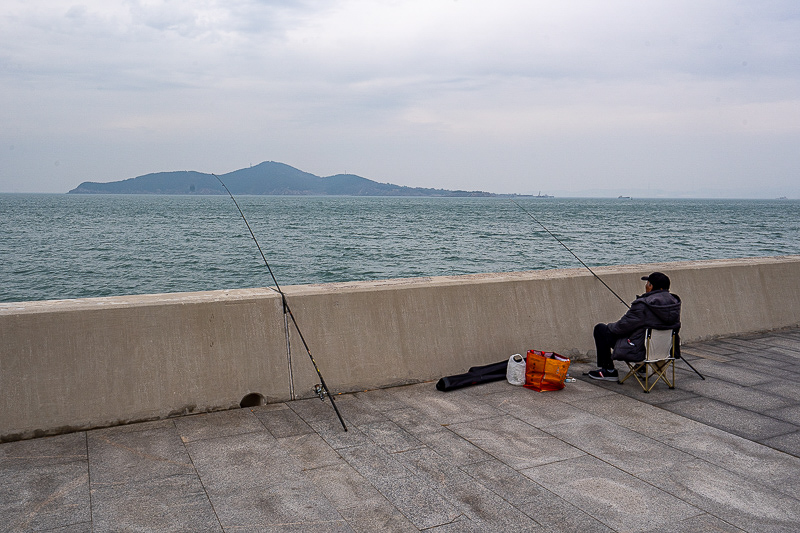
657 309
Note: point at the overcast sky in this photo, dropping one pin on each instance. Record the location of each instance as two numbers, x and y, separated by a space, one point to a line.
676 98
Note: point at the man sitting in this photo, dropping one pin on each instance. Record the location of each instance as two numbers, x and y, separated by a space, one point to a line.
657 308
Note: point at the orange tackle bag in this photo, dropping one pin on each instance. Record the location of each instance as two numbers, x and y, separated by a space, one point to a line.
545 371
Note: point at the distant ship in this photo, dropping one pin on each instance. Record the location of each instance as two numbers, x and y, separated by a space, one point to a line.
540 195
623 197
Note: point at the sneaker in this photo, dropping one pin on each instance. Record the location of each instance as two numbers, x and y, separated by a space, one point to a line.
604 374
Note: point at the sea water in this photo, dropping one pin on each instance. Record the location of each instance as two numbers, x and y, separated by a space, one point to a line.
77 246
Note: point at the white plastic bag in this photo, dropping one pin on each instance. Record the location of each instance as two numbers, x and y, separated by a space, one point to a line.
515 373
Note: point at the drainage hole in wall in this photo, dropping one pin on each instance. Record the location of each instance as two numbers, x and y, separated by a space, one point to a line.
253 399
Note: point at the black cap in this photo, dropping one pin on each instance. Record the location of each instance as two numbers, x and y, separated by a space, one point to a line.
657 280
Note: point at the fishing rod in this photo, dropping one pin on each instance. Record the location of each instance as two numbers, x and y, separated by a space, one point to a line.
595 275
321 389
573 253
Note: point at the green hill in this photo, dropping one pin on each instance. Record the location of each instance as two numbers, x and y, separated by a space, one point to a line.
266 178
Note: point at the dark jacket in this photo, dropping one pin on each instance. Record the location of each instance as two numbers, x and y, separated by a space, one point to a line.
657 309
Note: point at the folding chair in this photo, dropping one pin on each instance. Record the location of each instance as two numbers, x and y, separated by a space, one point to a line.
659 358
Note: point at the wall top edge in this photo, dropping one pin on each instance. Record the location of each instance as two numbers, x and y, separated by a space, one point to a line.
139 300
242 295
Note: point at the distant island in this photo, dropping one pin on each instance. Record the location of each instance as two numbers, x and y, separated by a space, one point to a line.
268 178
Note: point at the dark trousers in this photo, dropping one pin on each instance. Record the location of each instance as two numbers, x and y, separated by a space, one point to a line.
604 341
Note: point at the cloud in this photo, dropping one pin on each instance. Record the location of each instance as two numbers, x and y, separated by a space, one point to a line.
396 90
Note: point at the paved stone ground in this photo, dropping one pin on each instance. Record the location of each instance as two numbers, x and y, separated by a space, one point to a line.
714 455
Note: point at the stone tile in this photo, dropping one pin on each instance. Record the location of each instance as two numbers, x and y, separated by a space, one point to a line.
310 451
618 446
740 456
581 390
540 409
789 372
488 511
613 497
390 436
36 497
170 503
281 421
218 424
706 346
735 347
684 371
557 514
774 362
784 340
514 442
121 455
447 407
766 361
431 468
293 522
377 515
239 461
743 503
422 505
300 526
552 512
357 500
331 431
415 422
780 386
745 397
45 483
793 351
789 414
374 463
745 377
694 354
460 524
292 505
704 523
84 527
659 395
639 417
430 411
747 424
361 505
789 443
483 507
355 411
453 447
509 484
343 486
55 450
383 400
254 485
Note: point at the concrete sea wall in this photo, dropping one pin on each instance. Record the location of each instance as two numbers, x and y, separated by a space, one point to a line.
76 364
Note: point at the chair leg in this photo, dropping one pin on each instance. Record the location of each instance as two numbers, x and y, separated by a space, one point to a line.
652 371
629 374
633 369
672 382
660 370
